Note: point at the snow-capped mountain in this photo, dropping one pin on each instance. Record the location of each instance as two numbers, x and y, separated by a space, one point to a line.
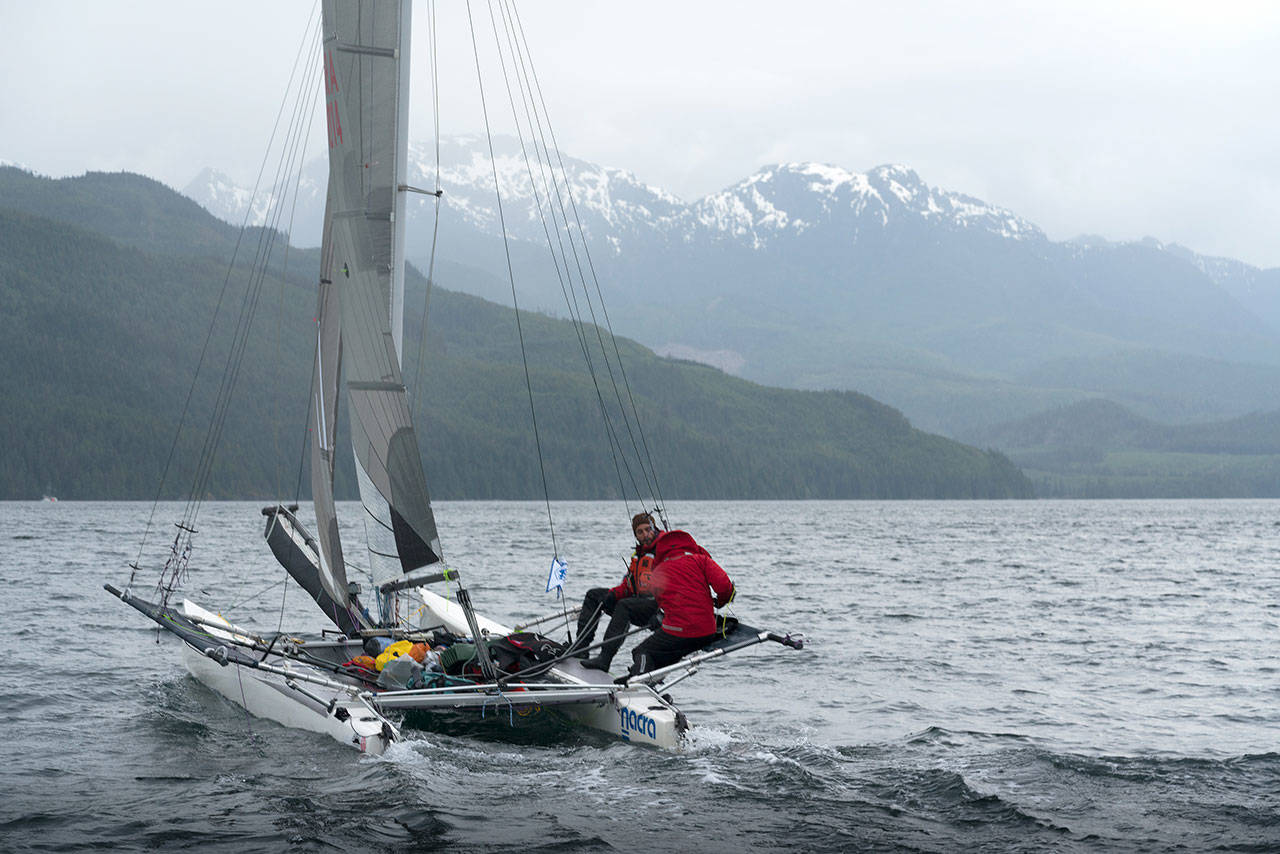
605 200
815 276
797 197
222 197
615 207
1255 288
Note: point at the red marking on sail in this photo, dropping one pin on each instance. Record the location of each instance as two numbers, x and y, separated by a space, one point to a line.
331 95
335 125
330 75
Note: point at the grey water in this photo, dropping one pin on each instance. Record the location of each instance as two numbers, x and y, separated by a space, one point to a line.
982 676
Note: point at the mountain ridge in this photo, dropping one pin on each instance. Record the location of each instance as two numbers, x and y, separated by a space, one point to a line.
783 199
809 275
1098 448
99 332
621 200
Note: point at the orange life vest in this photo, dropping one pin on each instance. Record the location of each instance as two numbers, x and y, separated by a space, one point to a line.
641 574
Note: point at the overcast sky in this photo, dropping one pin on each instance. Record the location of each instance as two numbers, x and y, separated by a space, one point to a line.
1122 118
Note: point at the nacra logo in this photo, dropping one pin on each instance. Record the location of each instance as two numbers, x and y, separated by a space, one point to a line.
636 722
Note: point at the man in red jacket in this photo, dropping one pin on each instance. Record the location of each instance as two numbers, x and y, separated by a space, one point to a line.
684 578
630 603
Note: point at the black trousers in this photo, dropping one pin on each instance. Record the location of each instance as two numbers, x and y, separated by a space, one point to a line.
632 611
660 649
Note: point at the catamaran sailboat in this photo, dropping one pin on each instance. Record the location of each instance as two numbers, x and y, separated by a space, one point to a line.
323 681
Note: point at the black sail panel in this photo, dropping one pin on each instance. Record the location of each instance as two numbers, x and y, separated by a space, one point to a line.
299 554
413 550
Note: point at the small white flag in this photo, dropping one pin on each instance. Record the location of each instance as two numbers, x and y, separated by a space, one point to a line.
555 578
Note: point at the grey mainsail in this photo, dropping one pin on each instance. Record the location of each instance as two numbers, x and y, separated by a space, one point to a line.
366 88
317 564
324 423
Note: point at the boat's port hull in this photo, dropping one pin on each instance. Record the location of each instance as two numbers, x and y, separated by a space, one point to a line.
267 695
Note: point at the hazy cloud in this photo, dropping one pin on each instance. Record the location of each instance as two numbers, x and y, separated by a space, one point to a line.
1121 119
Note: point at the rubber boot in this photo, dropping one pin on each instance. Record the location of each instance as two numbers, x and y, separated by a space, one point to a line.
586 633
613 638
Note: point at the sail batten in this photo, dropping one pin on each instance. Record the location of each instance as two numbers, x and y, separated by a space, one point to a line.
376 386
367 50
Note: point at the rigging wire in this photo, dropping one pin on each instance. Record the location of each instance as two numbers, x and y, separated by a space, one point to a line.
575 313
222 293
175 567
185 529
518 64
255 595
290 165
527 79
291 187
512 276
435 228
297 183
311 383
537 86
267 237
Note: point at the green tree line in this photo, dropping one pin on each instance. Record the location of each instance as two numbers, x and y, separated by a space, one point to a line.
107 287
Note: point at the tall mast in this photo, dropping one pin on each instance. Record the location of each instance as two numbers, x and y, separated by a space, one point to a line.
401 180
366 49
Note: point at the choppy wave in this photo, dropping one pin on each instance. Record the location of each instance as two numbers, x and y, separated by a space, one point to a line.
984 676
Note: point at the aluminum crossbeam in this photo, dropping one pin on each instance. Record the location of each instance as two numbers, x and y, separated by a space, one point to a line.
477 697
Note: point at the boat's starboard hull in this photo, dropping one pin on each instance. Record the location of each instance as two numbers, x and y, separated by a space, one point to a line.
636 714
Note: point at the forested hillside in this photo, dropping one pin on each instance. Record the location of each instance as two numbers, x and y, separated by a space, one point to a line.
107 286
1097 448
955 311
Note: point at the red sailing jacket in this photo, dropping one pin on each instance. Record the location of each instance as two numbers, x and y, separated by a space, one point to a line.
683 577
639 578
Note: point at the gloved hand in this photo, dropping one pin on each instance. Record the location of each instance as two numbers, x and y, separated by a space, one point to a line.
722 601
655 622
610 599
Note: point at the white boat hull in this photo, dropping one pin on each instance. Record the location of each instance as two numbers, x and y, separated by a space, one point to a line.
636 714
267 695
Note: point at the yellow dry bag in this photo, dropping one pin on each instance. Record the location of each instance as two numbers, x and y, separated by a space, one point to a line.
394 651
